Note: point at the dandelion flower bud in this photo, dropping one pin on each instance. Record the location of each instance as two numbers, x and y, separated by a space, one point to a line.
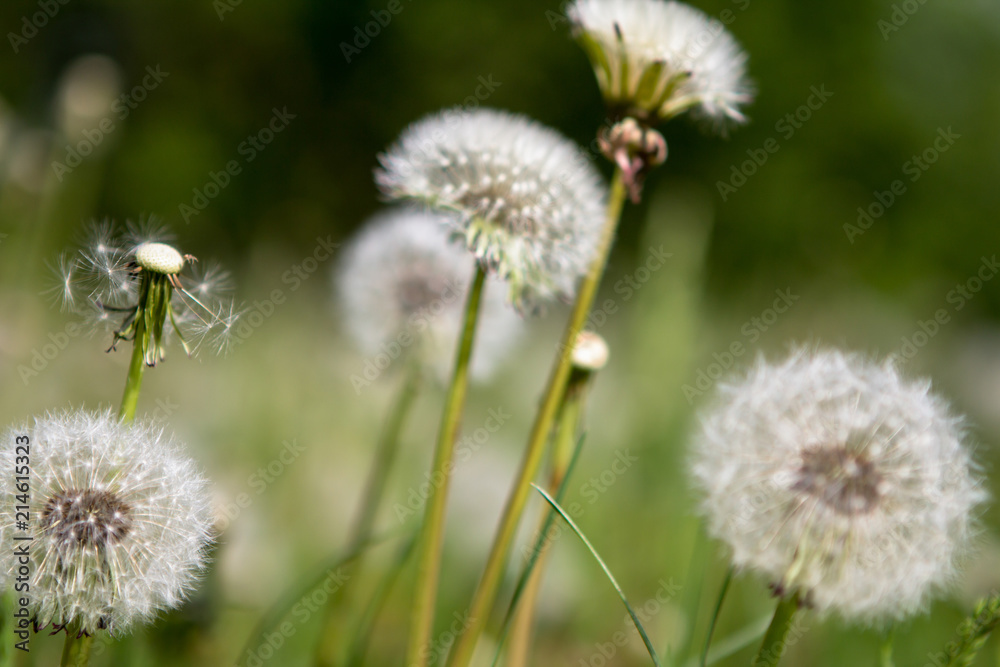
526 200
590 352
837 479
119 520
403 284
655 59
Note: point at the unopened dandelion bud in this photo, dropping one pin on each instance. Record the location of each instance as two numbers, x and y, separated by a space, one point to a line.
590 352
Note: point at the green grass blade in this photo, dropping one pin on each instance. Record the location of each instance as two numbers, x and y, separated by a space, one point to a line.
600 561
715 615
536 553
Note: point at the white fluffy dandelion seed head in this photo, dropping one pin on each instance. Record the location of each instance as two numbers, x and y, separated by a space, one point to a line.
402 280
159 257
527 201
656 59
835 477
120 520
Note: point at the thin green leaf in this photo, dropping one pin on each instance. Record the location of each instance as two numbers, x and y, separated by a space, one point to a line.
715 615
600 561
536 553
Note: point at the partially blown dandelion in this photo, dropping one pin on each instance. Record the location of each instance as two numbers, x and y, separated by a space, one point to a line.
119 519
403 284
526 200
139 285
839 481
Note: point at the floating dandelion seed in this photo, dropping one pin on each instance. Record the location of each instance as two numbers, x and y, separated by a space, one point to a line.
120 520
136 284
402 283
835 478
527 201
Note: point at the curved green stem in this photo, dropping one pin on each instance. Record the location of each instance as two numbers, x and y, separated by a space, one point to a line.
775 639
130 399
361 531
432 531
385 456
486 592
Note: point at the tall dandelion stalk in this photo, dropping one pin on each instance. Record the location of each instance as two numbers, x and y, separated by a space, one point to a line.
526 202
651 66
402 282
590 354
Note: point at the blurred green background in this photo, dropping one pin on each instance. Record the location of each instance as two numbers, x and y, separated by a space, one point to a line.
900 75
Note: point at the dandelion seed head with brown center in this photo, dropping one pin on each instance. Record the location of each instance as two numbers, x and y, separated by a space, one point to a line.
837 478
121 520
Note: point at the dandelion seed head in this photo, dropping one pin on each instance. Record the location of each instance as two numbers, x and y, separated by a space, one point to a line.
836 477
655 59
122 520
527 202
401 279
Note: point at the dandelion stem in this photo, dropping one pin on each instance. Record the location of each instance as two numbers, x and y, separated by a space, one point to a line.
485 595
133 382
432 530
715 615
361 531
76 650
385 456
570 414
774 640
885 650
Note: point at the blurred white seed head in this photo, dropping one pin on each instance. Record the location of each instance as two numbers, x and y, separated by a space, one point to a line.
101 283
527 201
835 477
86 91
120 520
655 59
401 281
